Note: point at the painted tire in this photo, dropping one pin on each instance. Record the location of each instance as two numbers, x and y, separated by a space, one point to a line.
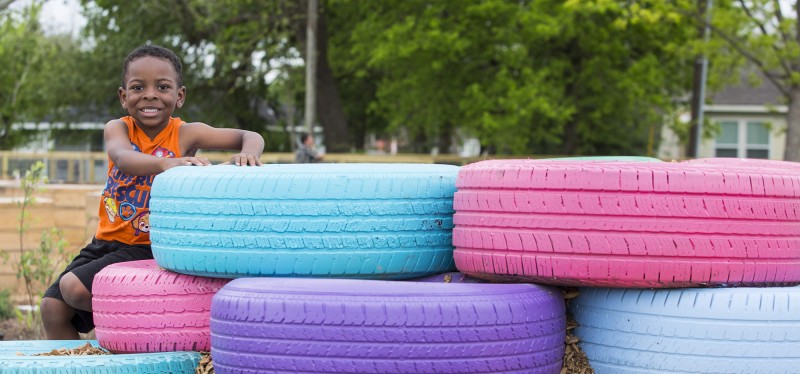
364 326
139 307
604 159
143 363
619 224
749 162
730 330
311 220
29 347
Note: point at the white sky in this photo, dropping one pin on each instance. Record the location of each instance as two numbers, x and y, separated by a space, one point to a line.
58 16
64 16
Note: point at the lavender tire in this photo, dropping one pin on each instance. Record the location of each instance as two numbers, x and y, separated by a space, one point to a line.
363 326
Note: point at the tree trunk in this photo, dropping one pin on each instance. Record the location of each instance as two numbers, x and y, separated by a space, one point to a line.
792 152
329 103
570 143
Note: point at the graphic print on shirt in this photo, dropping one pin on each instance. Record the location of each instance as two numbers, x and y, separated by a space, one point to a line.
111 208
141 223
163 153
127 196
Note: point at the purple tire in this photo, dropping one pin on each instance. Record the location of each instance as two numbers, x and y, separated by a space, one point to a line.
304 325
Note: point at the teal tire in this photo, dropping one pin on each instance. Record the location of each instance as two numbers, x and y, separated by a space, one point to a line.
145 363
372 221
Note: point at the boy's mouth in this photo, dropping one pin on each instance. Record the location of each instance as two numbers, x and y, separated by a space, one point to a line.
149 111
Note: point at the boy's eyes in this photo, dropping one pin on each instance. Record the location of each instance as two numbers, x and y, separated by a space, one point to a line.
139 87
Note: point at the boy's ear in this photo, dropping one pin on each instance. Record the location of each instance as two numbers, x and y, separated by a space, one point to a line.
181 97
123 98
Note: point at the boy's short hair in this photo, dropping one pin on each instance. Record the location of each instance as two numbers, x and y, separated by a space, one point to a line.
157 52
303 137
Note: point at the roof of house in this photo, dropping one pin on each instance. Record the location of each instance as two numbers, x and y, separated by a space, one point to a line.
744 93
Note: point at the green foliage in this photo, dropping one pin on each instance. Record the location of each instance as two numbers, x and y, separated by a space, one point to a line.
36 267
588 77
38 76
228 48
6 306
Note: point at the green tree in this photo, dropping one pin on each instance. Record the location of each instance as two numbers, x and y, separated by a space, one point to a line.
22 57
39 75
554 76
228 47
761 34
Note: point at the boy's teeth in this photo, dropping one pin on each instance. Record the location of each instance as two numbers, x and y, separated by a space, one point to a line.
149 110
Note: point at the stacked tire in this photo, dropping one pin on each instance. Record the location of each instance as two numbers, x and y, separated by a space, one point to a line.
324 258
627 226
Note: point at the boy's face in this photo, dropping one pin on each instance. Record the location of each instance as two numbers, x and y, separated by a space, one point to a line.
151 91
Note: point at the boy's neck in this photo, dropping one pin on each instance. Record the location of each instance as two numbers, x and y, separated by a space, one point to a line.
152 132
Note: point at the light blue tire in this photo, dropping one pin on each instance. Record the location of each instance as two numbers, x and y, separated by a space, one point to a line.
723 330
373 221
144 363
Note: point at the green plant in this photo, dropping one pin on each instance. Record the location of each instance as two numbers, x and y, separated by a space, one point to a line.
37 267
6 306
29 184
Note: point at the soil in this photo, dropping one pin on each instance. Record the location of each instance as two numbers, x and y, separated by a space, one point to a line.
13 329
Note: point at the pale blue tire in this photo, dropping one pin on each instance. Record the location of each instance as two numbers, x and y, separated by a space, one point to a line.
143 363
372 221
723 330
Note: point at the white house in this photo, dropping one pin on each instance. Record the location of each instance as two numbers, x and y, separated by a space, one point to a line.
751 121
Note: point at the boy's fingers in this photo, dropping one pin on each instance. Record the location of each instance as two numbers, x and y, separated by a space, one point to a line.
252 160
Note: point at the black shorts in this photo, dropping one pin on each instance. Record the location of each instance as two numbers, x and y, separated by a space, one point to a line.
96 256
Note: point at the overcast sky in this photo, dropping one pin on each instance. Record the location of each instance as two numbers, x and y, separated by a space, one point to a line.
64 16
58 16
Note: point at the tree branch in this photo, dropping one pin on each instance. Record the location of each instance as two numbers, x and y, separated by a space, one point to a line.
764 32
779 16
5 4
744 52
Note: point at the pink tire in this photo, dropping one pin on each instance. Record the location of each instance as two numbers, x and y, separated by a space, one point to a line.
625 224
140 307
787 166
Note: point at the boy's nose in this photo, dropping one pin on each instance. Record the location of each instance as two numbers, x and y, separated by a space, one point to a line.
150 94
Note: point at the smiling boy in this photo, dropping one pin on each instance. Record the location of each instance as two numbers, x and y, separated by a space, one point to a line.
146 142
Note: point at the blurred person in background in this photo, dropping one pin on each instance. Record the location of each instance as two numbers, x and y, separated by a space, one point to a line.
307 152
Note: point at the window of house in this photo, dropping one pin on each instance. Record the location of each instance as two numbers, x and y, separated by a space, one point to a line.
743 139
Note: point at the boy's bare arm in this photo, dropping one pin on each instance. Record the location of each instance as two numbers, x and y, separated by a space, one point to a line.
121 152
196 136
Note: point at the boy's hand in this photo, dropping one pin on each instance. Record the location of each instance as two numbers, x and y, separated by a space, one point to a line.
246 159
185 161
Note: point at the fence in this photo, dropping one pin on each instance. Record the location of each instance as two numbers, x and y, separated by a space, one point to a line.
91 167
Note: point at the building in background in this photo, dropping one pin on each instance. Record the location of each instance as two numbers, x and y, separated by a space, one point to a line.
751 123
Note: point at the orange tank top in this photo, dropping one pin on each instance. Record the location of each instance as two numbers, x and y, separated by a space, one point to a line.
124 208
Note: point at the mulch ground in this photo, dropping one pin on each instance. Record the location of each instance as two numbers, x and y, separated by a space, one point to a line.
84 350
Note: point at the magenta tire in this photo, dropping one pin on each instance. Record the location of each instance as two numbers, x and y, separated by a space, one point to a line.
365 326
627 224
140 307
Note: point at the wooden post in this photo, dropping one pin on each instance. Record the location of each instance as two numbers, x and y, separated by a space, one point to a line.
5 165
